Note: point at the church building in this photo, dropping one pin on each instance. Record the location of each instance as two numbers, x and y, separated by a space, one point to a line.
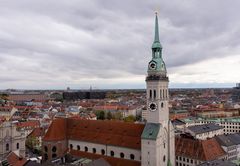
121 143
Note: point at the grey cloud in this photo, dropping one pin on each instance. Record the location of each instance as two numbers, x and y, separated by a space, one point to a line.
69 40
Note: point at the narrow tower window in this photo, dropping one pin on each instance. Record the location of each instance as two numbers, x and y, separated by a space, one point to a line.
160 93
163 94
154 94
150 94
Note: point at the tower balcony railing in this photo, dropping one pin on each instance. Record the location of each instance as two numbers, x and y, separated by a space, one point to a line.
157 78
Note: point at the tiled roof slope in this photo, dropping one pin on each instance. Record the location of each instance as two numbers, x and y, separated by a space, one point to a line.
111 160
57 130
15 160
203 150
101 132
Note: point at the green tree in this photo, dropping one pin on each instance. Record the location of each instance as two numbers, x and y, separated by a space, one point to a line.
102 115
118 116
109 115
130 118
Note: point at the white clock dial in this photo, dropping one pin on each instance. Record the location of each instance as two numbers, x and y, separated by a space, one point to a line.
152 106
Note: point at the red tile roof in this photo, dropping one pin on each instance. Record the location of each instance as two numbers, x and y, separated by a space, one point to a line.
111 160
57 130
14 160
203 150
37 132
32 124
102 132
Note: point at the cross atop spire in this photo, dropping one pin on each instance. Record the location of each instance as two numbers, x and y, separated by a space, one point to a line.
156 43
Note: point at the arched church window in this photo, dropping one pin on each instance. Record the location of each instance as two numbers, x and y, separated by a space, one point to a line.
17 146
163 94
78 147
166 94
103 151
86 149
162 105
112 153
164 145
71 146
54 155
154 94
122 155
160 93
150 94
94 150
164 158
7 147
132 156
54 149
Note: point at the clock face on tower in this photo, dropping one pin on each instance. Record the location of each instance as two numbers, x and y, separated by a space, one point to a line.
152 65
152 106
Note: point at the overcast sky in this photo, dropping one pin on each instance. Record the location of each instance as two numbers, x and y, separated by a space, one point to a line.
107 43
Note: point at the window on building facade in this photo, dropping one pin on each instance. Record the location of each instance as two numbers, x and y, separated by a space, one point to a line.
7 147
112 153
154 94
54 149
78 147
86 149
132 156
45 148
71 146
94 150
54 155
45 156
122 155
103 151
150 94
164 158
17 145
162 105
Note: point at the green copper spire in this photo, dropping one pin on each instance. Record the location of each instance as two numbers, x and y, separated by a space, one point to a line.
156 43
156 39
157 66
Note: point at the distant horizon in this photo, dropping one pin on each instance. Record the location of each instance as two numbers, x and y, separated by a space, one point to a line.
137 87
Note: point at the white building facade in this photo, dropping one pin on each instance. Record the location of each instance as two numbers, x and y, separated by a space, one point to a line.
11 140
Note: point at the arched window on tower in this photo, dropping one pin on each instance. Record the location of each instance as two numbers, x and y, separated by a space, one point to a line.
122 155
160 93
132 156
150 93
163 94
7 147
154 94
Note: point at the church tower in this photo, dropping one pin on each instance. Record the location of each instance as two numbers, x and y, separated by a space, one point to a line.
158 136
